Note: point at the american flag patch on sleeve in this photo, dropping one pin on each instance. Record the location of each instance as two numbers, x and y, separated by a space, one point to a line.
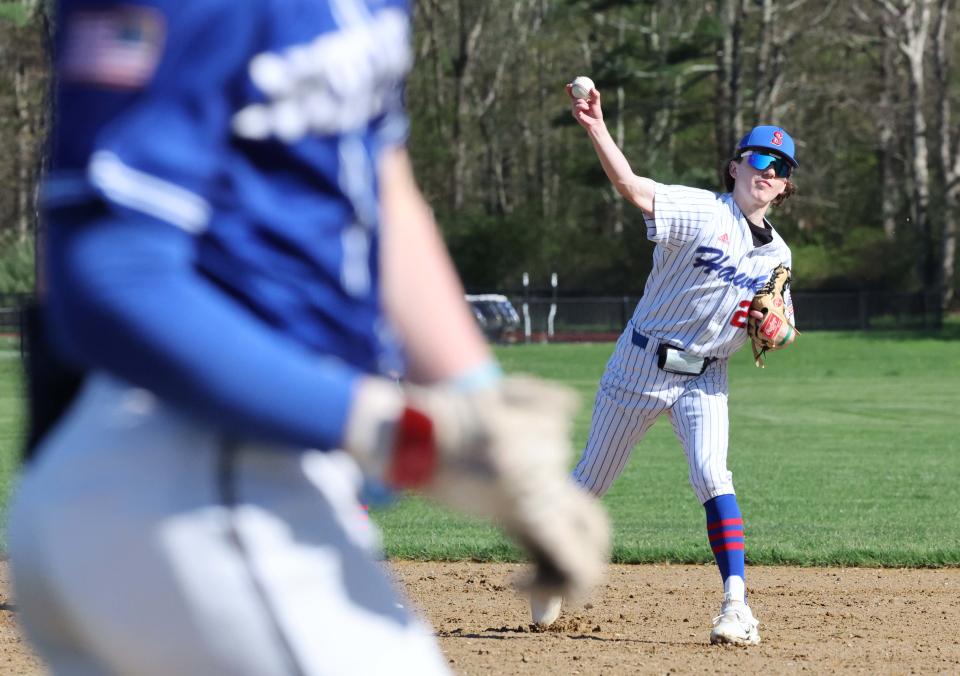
117 47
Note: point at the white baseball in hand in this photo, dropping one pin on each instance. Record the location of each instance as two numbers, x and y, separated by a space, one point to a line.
581 87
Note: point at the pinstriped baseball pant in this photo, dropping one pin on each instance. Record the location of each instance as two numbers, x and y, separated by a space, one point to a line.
633 392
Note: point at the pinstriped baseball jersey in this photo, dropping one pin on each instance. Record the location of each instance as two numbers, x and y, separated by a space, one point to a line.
704 267
706 270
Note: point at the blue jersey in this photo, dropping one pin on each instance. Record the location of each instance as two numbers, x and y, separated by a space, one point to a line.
212 203
254 125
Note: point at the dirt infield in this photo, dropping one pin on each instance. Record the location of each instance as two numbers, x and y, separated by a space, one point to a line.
15 655
656 620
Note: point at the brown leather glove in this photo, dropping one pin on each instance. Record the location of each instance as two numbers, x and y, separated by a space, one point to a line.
771 330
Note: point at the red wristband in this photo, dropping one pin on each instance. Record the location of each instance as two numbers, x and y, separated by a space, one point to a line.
414 459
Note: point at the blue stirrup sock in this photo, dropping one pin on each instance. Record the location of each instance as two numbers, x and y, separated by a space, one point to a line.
725 531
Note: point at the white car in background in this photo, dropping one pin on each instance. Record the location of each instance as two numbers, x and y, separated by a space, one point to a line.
496 316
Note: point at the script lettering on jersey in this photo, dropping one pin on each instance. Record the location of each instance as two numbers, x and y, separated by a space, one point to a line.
337 83
713 261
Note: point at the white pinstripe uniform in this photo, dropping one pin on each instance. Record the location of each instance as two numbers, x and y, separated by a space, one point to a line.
706 270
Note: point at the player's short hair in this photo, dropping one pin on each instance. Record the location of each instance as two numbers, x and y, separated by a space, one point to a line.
729 181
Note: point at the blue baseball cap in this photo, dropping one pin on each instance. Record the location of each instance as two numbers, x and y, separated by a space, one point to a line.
768 137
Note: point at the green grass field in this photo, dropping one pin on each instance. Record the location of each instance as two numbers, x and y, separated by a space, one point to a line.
845 450
11 420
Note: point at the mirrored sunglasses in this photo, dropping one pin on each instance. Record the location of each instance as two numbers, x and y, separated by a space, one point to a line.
761 161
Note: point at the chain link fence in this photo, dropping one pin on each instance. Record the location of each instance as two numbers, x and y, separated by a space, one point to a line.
603 317
10 309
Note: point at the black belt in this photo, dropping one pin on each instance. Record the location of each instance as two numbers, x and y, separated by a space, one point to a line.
641 340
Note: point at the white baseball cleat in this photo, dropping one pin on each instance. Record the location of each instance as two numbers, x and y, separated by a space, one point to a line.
735 624
545 608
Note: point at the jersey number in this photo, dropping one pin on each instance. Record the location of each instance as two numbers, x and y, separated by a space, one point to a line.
739 318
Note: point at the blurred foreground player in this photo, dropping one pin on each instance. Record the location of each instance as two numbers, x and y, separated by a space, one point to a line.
237 249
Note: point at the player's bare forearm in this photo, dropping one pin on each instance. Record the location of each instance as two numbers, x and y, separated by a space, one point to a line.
638 190
422 292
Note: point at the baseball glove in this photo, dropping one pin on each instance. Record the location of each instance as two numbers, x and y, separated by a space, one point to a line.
773 331
500 453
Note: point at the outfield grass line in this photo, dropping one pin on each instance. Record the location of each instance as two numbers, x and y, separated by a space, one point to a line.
844 451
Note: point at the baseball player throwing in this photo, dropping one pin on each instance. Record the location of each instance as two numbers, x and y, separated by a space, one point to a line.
237 251
713 253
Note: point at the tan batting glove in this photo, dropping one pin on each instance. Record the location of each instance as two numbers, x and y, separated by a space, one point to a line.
499 453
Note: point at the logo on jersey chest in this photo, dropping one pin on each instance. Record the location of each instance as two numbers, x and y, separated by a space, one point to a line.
335 84
714 261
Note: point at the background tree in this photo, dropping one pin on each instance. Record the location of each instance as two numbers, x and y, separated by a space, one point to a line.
947 141
867 88
23 125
